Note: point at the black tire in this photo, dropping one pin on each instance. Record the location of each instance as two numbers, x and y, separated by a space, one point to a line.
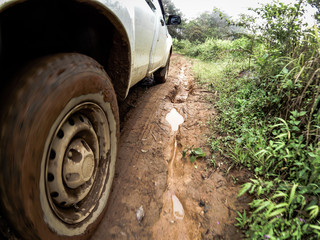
58 146
161 74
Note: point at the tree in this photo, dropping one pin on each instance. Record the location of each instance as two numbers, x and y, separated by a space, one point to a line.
170 9
283 25
209 25
316 4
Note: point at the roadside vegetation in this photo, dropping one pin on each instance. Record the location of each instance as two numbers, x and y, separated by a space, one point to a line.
267 83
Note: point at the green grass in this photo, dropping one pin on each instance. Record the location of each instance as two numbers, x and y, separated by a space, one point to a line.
205 72
267 130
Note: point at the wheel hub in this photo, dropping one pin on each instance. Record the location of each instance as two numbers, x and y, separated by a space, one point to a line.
73 161
73 157
78 166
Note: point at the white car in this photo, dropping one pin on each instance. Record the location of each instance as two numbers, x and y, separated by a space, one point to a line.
63 66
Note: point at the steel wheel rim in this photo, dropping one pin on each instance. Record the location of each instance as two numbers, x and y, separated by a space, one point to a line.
84 131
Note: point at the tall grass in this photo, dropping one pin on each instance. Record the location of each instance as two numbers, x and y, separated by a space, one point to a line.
269 107
213 49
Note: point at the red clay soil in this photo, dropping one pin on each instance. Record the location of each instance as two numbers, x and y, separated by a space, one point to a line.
180 199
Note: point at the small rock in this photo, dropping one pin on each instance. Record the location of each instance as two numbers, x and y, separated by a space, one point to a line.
171 221
203 175
140 214
202 203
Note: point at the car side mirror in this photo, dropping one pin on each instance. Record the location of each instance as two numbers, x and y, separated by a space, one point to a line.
174 20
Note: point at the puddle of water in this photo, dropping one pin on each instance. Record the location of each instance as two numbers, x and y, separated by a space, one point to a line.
175 119
170 169
182 78
182 74
178 211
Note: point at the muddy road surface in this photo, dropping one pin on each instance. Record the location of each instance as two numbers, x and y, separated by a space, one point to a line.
158 194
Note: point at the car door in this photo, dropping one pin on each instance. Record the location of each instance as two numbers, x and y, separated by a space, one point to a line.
144 28
159 53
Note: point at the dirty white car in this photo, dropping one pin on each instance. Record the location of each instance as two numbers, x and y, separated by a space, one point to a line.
64 64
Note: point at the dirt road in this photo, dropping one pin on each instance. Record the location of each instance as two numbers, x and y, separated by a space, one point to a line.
173 198
180 199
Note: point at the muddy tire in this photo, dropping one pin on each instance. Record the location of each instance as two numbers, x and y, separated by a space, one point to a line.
58 146
161 74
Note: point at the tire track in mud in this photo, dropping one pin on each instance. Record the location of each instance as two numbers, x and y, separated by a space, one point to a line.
173 213
150 169
140 175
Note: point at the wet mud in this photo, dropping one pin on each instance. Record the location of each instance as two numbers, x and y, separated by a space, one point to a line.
180 199
158 194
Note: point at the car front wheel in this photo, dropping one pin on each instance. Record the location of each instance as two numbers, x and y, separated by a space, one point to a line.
59 134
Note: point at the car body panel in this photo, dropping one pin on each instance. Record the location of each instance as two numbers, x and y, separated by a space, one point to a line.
148 36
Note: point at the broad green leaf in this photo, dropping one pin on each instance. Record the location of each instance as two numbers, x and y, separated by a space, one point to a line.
193 159
252 189
279 194
282 135
314 211
280 205
199 152
292 193
315 227
262 153
285 70
302 113
260 190
245 188
263 205
311 154
281 145
239 213
296 122
184 153
276 212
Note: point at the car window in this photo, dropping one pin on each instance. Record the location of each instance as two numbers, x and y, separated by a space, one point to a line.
162 9
151 5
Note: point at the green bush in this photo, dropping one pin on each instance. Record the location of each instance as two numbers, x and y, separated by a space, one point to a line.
268 99
213 49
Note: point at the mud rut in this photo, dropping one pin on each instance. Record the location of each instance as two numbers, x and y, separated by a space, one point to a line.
180 201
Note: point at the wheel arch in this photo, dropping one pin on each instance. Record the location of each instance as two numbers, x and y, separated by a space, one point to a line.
32 29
